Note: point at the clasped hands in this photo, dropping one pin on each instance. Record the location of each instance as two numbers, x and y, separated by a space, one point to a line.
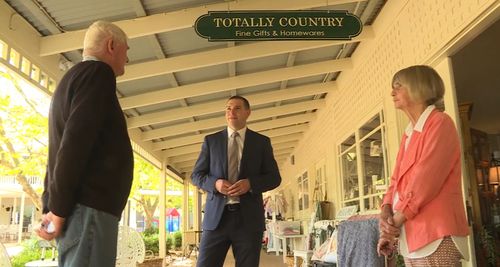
233 190
389 226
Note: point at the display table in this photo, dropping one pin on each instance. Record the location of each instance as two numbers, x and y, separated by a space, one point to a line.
281 242
304 254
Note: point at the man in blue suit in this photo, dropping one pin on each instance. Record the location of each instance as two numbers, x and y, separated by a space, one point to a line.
235 166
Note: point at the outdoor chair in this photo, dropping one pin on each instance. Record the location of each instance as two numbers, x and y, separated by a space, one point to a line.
44 261
130 248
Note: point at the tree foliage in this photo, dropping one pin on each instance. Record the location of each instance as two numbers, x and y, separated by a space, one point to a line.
24 149
146 187
146 177
23 136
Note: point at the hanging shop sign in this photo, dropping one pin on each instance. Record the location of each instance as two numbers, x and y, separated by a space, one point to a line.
278 25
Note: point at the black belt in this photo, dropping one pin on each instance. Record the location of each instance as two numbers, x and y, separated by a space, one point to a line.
233 207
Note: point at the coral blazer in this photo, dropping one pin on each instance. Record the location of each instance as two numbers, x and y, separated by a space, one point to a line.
427 177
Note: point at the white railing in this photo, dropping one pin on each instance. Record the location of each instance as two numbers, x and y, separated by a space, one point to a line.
11 180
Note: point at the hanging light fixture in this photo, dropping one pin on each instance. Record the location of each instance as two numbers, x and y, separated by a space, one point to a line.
494 170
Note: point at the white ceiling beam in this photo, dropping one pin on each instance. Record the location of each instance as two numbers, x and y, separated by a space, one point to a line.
220 121
284 151
286 130
241 81
182 19
218 105
227 55
185 157
260 126
281 159
285 145
134 135
176 151
195 148
186 170
286 138
185 164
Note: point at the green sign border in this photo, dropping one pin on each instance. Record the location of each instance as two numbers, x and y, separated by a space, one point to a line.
267 25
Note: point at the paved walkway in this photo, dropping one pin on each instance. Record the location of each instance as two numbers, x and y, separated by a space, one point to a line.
13 249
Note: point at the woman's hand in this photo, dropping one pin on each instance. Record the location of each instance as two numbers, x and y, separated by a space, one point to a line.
386 244
386 222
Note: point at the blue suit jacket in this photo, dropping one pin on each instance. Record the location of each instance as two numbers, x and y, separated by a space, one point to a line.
257 164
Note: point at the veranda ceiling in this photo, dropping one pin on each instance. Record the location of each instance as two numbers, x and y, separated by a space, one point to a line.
176 84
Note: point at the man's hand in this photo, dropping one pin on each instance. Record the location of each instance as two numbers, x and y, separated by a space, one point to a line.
222 185
46 232
239 188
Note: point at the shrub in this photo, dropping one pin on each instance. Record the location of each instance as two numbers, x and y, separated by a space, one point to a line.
151 242
151 231
31 252
178 240
151 238
169 243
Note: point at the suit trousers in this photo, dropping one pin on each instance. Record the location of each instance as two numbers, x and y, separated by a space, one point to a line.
89 239
214 244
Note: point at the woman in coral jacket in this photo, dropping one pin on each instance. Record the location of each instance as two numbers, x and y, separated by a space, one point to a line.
423 206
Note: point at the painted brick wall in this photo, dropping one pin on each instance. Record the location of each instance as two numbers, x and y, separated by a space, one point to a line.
407 32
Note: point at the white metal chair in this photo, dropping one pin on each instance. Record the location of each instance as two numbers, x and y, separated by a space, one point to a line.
44 261
131 249
4 257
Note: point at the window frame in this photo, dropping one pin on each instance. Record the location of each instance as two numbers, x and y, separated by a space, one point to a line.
360 197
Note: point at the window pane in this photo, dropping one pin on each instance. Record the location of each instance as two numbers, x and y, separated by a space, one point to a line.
347 143
373 203
350 174
15 58
373 162
351 203
370 126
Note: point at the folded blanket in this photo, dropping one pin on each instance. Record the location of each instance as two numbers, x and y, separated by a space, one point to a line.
357 244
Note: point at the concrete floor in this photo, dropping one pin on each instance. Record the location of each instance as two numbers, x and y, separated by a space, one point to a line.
266 260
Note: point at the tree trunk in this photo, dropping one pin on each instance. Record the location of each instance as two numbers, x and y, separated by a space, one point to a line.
148 208
21 179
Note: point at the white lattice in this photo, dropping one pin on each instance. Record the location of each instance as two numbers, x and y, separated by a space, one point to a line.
131 249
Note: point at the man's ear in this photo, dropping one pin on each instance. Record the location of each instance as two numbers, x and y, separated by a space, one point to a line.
110 46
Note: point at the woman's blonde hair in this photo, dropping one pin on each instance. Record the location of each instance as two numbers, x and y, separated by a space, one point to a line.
99 32
424 84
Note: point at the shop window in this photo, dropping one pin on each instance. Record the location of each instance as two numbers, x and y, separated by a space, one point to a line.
320 192
363 164
303 182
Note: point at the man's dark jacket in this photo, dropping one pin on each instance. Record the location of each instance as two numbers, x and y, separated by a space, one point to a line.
90 155
257 164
